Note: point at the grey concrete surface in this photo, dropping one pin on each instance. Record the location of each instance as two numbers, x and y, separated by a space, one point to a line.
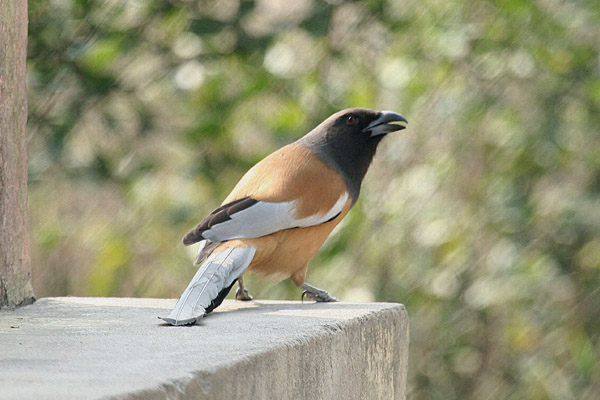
92 348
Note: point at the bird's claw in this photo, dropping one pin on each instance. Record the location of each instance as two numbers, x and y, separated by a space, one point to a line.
242 294
320 296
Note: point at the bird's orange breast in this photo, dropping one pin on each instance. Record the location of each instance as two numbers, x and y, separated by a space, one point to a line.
292 173
287 253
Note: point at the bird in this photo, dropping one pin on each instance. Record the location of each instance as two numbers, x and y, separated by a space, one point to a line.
281 211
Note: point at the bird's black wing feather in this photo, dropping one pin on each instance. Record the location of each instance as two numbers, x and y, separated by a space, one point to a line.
218 216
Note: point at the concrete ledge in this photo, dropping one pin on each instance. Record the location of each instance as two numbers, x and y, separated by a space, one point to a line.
90 348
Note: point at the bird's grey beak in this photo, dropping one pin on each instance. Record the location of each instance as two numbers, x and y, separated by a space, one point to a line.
387 122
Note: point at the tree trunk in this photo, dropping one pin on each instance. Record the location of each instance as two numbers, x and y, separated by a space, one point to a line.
15 265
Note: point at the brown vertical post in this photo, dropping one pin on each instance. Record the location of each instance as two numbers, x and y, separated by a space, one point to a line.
15 265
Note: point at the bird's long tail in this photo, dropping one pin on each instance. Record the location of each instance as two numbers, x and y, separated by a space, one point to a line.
210 285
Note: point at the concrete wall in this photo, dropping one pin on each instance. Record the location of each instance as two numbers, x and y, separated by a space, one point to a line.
75 348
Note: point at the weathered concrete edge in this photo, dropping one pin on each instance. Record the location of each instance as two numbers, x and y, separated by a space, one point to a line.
232 379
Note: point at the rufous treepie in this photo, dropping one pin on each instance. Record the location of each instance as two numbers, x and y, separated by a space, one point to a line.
282 210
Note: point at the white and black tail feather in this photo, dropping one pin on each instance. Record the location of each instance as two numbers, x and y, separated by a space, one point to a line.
210 285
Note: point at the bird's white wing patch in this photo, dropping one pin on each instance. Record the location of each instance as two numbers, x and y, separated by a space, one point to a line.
264 218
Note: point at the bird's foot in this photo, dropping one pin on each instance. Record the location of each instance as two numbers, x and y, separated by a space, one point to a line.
242 294
316 294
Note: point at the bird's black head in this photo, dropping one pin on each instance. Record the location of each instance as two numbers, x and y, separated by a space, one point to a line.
347 141
361 125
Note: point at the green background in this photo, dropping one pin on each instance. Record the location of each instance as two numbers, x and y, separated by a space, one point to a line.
483 217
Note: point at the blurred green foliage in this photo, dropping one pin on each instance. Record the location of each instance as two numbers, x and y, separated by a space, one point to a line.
483 217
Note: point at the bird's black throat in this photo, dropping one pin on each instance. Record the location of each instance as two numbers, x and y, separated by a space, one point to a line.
350 156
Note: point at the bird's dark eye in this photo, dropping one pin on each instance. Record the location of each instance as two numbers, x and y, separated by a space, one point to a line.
351 120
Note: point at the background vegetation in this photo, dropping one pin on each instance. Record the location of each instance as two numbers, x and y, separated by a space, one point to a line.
483 217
